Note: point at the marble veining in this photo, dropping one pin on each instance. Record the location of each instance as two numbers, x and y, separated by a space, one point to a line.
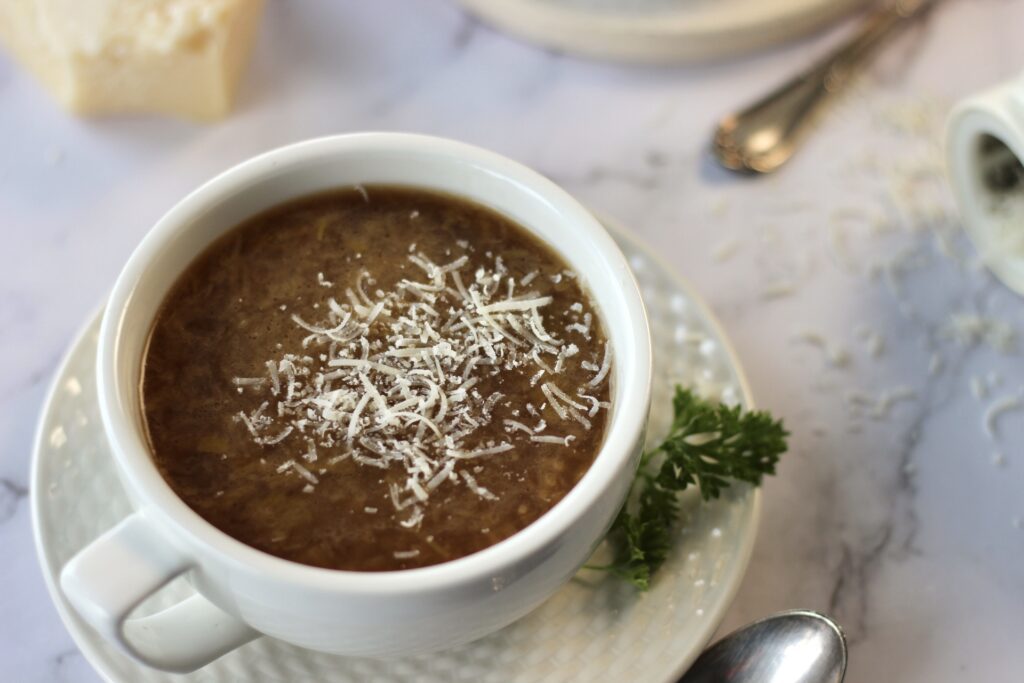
901 516
11 495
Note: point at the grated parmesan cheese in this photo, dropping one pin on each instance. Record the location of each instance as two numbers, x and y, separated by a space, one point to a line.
606 364
560 440
389 379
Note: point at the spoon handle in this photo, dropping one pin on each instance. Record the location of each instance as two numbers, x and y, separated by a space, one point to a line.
762 137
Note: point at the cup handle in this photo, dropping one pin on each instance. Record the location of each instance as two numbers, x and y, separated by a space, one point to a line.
111 576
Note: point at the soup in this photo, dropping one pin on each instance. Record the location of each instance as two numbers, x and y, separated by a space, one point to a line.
375 378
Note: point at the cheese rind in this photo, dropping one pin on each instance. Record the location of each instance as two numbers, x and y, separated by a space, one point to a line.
178 57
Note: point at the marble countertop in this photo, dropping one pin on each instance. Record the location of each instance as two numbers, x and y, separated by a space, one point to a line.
853 300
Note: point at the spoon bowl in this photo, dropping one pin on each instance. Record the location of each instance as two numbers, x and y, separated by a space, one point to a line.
763 137
791 647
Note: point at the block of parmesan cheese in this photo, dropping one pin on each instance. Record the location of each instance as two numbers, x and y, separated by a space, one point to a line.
178 57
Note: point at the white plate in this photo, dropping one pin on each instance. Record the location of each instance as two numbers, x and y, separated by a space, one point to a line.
595 629
660 31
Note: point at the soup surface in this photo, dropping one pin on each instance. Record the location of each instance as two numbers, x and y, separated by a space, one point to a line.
374 379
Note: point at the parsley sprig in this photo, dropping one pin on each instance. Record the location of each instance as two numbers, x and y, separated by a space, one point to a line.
710 445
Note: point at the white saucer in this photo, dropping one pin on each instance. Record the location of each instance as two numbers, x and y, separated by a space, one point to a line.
660 31
595 629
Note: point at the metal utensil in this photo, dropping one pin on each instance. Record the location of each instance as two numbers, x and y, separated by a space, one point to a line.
763 137
790 647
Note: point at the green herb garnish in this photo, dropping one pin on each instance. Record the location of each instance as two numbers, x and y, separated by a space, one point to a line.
710 445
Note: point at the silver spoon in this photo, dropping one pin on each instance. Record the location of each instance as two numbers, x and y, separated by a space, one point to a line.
763 137
790 647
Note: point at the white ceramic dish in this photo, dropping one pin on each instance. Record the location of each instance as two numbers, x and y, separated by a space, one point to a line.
660 31
242 593
595 628
984 140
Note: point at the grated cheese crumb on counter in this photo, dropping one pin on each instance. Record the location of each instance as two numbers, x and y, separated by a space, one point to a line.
996 410
725 250
978 388
778 289
874 342
836 355
971 329
993 379
392 380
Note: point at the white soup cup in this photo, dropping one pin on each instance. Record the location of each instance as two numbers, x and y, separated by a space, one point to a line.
241 592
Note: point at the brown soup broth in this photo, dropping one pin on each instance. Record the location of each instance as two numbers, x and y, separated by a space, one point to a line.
374 379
